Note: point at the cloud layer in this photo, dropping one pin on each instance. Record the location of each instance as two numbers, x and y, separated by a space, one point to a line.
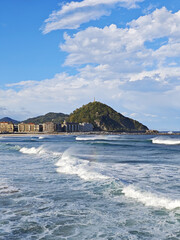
73 14
126 49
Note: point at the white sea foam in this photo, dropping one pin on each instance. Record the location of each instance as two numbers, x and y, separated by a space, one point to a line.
166 141
42 150
150 199
86 170
33 150
97 137
41 137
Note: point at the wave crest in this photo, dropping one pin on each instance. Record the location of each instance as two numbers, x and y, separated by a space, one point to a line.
166 141
86 170
32 150
97 137
150 199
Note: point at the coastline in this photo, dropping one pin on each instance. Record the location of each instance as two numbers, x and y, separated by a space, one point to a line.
87 133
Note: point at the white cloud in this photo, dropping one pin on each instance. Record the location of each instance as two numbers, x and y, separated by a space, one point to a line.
162 74
22 83
73 14
92 3
158 24
126 47
121 54
74 20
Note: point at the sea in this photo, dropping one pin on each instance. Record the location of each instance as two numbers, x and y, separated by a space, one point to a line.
93 187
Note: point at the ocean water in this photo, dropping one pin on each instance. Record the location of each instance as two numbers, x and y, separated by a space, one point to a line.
90 187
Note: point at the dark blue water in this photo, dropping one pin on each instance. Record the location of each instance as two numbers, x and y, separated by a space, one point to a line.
90 187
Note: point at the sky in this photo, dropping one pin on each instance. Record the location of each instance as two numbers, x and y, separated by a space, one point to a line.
56 56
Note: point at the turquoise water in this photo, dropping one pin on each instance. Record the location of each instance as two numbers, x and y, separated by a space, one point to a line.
90 187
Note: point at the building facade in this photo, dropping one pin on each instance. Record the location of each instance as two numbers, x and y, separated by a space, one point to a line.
70 127
48 127
51 127
6 127
26 127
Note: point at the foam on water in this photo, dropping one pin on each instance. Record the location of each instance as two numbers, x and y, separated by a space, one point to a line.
41 137
33 150
42 150
86 170
97 137
150 199
166 141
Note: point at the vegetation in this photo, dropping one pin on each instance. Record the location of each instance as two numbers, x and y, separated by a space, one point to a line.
9 120
104 118
49 117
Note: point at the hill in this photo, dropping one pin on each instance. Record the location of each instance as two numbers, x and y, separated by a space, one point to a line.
49 117
104 118
10 120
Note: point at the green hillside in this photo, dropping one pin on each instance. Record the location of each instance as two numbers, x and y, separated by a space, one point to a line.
104 118
49 117
10 120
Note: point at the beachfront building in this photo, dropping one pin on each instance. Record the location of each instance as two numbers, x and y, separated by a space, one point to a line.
77 127
29 128
26 127
85 127
6 127
50 127
38 128
58 127
47 127
70 127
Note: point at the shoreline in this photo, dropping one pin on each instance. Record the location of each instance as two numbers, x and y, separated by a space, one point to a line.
87 133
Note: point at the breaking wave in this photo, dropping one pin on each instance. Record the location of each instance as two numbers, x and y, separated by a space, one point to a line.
85 169
99 137
41 137
33 150
166 141
149 199
42 150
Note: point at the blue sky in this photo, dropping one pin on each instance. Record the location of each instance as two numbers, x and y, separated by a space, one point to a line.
58 55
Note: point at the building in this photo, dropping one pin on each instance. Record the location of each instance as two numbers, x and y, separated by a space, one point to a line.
58 127
47 127
38 127
85 127
26 127
29 127
70 127
51 127
6 127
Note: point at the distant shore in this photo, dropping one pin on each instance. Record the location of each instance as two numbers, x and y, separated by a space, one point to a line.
87 133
